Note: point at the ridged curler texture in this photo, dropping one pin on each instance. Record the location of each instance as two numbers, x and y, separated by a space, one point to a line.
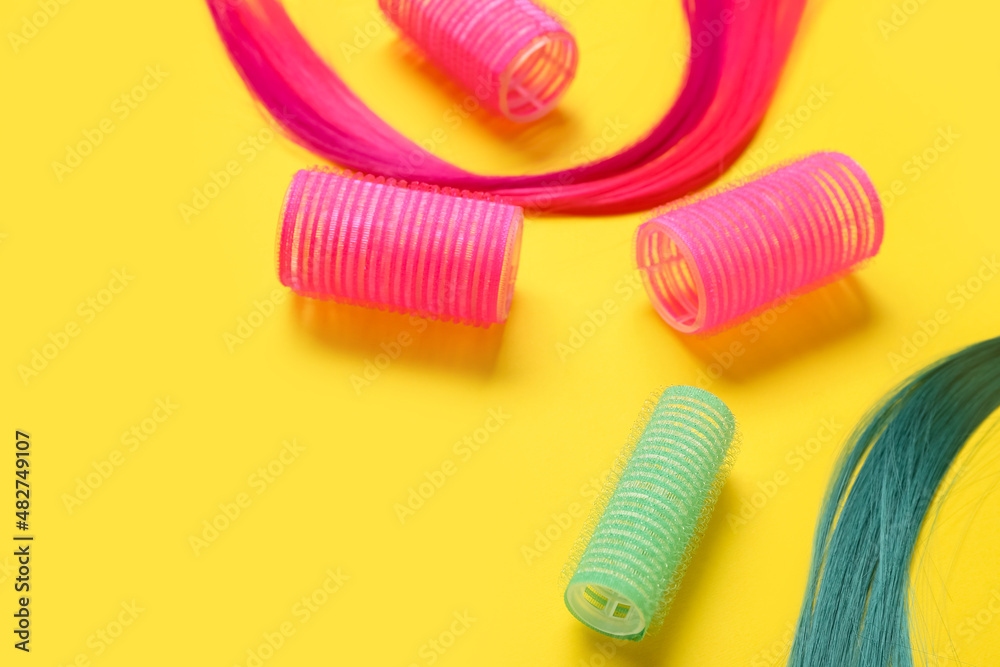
629 561
390 245
711 260
513 55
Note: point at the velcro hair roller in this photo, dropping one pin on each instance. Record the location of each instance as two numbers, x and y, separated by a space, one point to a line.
711 260
390 245
513 55
629 562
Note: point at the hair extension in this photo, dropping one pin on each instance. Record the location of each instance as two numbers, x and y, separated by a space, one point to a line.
713 259
856 607
731 76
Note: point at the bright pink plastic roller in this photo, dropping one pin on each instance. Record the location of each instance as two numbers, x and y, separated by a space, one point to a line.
514 56
711 260
387 244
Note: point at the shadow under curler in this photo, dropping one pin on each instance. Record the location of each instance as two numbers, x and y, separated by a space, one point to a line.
554 134
380 336
794 327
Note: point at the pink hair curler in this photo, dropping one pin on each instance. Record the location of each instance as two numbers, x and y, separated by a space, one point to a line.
514 56
414 248
711 260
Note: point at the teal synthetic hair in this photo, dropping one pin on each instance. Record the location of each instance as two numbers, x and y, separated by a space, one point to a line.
856 611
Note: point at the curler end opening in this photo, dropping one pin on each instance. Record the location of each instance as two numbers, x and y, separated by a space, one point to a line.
670 277
511 261
605 610
538 76
285 235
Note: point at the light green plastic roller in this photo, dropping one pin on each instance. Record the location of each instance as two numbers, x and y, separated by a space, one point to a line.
629 562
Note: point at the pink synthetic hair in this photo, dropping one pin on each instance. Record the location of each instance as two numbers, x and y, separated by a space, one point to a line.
738 50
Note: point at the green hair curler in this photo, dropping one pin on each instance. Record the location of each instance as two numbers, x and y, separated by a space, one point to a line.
629 561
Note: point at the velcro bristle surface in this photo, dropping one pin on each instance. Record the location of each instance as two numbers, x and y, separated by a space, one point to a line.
399 246
711 260
653 512
513 55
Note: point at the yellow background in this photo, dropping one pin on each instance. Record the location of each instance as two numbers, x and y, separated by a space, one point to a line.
333 507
